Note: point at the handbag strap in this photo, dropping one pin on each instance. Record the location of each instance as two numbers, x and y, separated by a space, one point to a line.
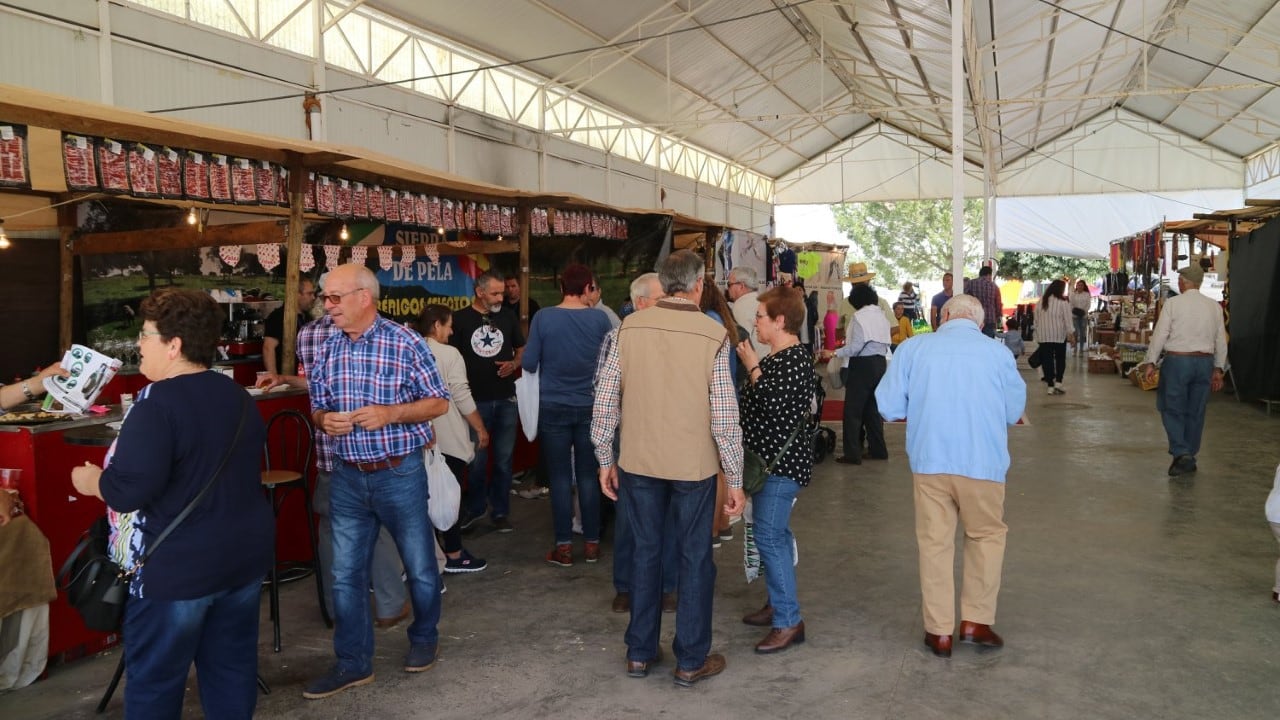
803 419
203 491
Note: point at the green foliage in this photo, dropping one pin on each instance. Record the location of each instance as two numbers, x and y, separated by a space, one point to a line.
909 240
1035 267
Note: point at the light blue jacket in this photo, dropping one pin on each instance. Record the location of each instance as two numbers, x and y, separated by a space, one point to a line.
959 392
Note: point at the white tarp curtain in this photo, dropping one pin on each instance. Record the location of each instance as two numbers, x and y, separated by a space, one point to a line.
1085 225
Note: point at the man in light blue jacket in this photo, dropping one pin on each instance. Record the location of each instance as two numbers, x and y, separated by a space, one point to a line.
959 392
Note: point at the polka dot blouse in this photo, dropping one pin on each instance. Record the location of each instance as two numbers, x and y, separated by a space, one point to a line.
772 406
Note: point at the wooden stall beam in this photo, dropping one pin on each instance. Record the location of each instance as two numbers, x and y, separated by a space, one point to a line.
523 213
66 275
266 231
293 253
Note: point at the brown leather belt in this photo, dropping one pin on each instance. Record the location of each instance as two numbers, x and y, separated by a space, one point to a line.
1188 354
376 465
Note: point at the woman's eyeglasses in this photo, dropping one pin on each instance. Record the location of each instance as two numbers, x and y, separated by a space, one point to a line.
142 334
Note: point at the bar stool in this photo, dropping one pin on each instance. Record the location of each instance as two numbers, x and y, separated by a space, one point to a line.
289 432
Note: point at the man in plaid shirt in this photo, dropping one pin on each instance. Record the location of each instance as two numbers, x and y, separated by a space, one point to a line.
989 295
374 388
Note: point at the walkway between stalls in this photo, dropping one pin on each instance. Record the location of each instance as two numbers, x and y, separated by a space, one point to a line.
1126 594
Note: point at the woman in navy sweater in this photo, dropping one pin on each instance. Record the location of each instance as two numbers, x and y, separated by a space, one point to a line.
196 600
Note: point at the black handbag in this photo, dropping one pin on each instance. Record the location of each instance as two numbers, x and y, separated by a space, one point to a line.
96 586
754 469
1034 358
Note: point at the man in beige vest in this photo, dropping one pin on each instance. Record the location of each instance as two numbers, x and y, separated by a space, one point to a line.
667 381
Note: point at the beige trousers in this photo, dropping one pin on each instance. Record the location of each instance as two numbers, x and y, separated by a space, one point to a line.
940 501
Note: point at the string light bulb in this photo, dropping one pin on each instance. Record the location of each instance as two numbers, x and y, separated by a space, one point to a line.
343 234
440 231
192 217
4 239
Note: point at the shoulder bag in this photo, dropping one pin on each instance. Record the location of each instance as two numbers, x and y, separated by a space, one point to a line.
96 586
754 469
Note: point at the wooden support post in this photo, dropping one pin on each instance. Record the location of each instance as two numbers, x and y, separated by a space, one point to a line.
66 274
523 213
293 251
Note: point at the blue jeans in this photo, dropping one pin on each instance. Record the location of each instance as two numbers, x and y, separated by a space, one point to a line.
359 504
385 570
499 418
1181 398
218 632
649 499
571 459
771 512
624 547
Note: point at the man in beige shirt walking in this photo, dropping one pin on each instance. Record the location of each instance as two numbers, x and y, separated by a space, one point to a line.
1193 338
679 426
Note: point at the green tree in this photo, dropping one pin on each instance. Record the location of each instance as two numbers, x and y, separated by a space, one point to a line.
909 240
1035 267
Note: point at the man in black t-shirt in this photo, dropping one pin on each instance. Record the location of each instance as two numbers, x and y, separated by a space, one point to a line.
511 298
488 337
273 326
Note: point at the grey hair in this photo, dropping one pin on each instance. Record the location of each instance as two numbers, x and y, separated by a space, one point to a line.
963 306
365 278
746 275
680 271
641 285
484 278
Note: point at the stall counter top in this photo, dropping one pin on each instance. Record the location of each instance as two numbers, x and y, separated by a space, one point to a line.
115 414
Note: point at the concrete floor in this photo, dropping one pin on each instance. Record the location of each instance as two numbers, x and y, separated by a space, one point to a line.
1126 595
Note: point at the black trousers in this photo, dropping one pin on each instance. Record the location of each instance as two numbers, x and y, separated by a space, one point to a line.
1053 361
861 414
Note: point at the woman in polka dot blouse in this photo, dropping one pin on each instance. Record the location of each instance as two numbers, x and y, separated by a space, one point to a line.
778 397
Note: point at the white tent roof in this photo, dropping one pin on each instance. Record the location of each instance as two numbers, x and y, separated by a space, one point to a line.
850 100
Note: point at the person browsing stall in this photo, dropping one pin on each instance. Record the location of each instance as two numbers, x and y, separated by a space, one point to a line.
775 404
273 327
196 599
666 381
1189 343
959 393
374 387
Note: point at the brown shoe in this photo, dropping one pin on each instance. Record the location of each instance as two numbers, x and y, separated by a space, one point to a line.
591 552
622 602
640 668
393 621
713 666
760 618
973 633
939 644
561 555
780 639
669 602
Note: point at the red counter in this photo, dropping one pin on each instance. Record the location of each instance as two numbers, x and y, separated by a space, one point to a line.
46 459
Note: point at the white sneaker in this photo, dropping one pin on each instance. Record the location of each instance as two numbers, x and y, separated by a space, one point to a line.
1051 392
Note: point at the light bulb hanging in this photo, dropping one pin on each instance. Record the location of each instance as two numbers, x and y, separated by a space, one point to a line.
343 234
4 239
192 217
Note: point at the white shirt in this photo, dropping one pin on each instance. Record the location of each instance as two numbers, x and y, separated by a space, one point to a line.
1190 323
1273 501
453 434
1081 300
867 334
744 313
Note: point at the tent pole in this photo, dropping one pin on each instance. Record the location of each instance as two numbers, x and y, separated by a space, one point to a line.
957 142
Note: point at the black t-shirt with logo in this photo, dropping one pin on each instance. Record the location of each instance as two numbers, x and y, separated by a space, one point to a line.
486 339
273 327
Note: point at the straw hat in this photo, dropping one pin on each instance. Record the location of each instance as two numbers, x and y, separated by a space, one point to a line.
858 273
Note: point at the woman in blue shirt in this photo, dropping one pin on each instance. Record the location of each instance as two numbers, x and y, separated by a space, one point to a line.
564 342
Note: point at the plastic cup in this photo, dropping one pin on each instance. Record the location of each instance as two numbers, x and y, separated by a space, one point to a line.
126 402
261 378
9 478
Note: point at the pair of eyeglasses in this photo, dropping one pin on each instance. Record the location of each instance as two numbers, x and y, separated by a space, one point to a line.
335 298
144 333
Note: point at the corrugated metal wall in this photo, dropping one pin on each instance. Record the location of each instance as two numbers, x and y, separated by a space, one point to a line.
160 63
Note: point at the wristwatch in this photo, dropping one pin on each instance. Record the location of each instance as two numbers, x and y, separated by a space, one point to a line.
27 391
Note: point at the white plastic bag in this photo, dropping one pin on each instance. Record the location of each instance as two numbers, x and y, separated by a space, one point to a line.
527 401
442 487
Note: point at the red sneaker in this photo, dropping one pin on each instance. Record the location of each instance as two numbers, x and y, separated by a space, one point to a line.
561 555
